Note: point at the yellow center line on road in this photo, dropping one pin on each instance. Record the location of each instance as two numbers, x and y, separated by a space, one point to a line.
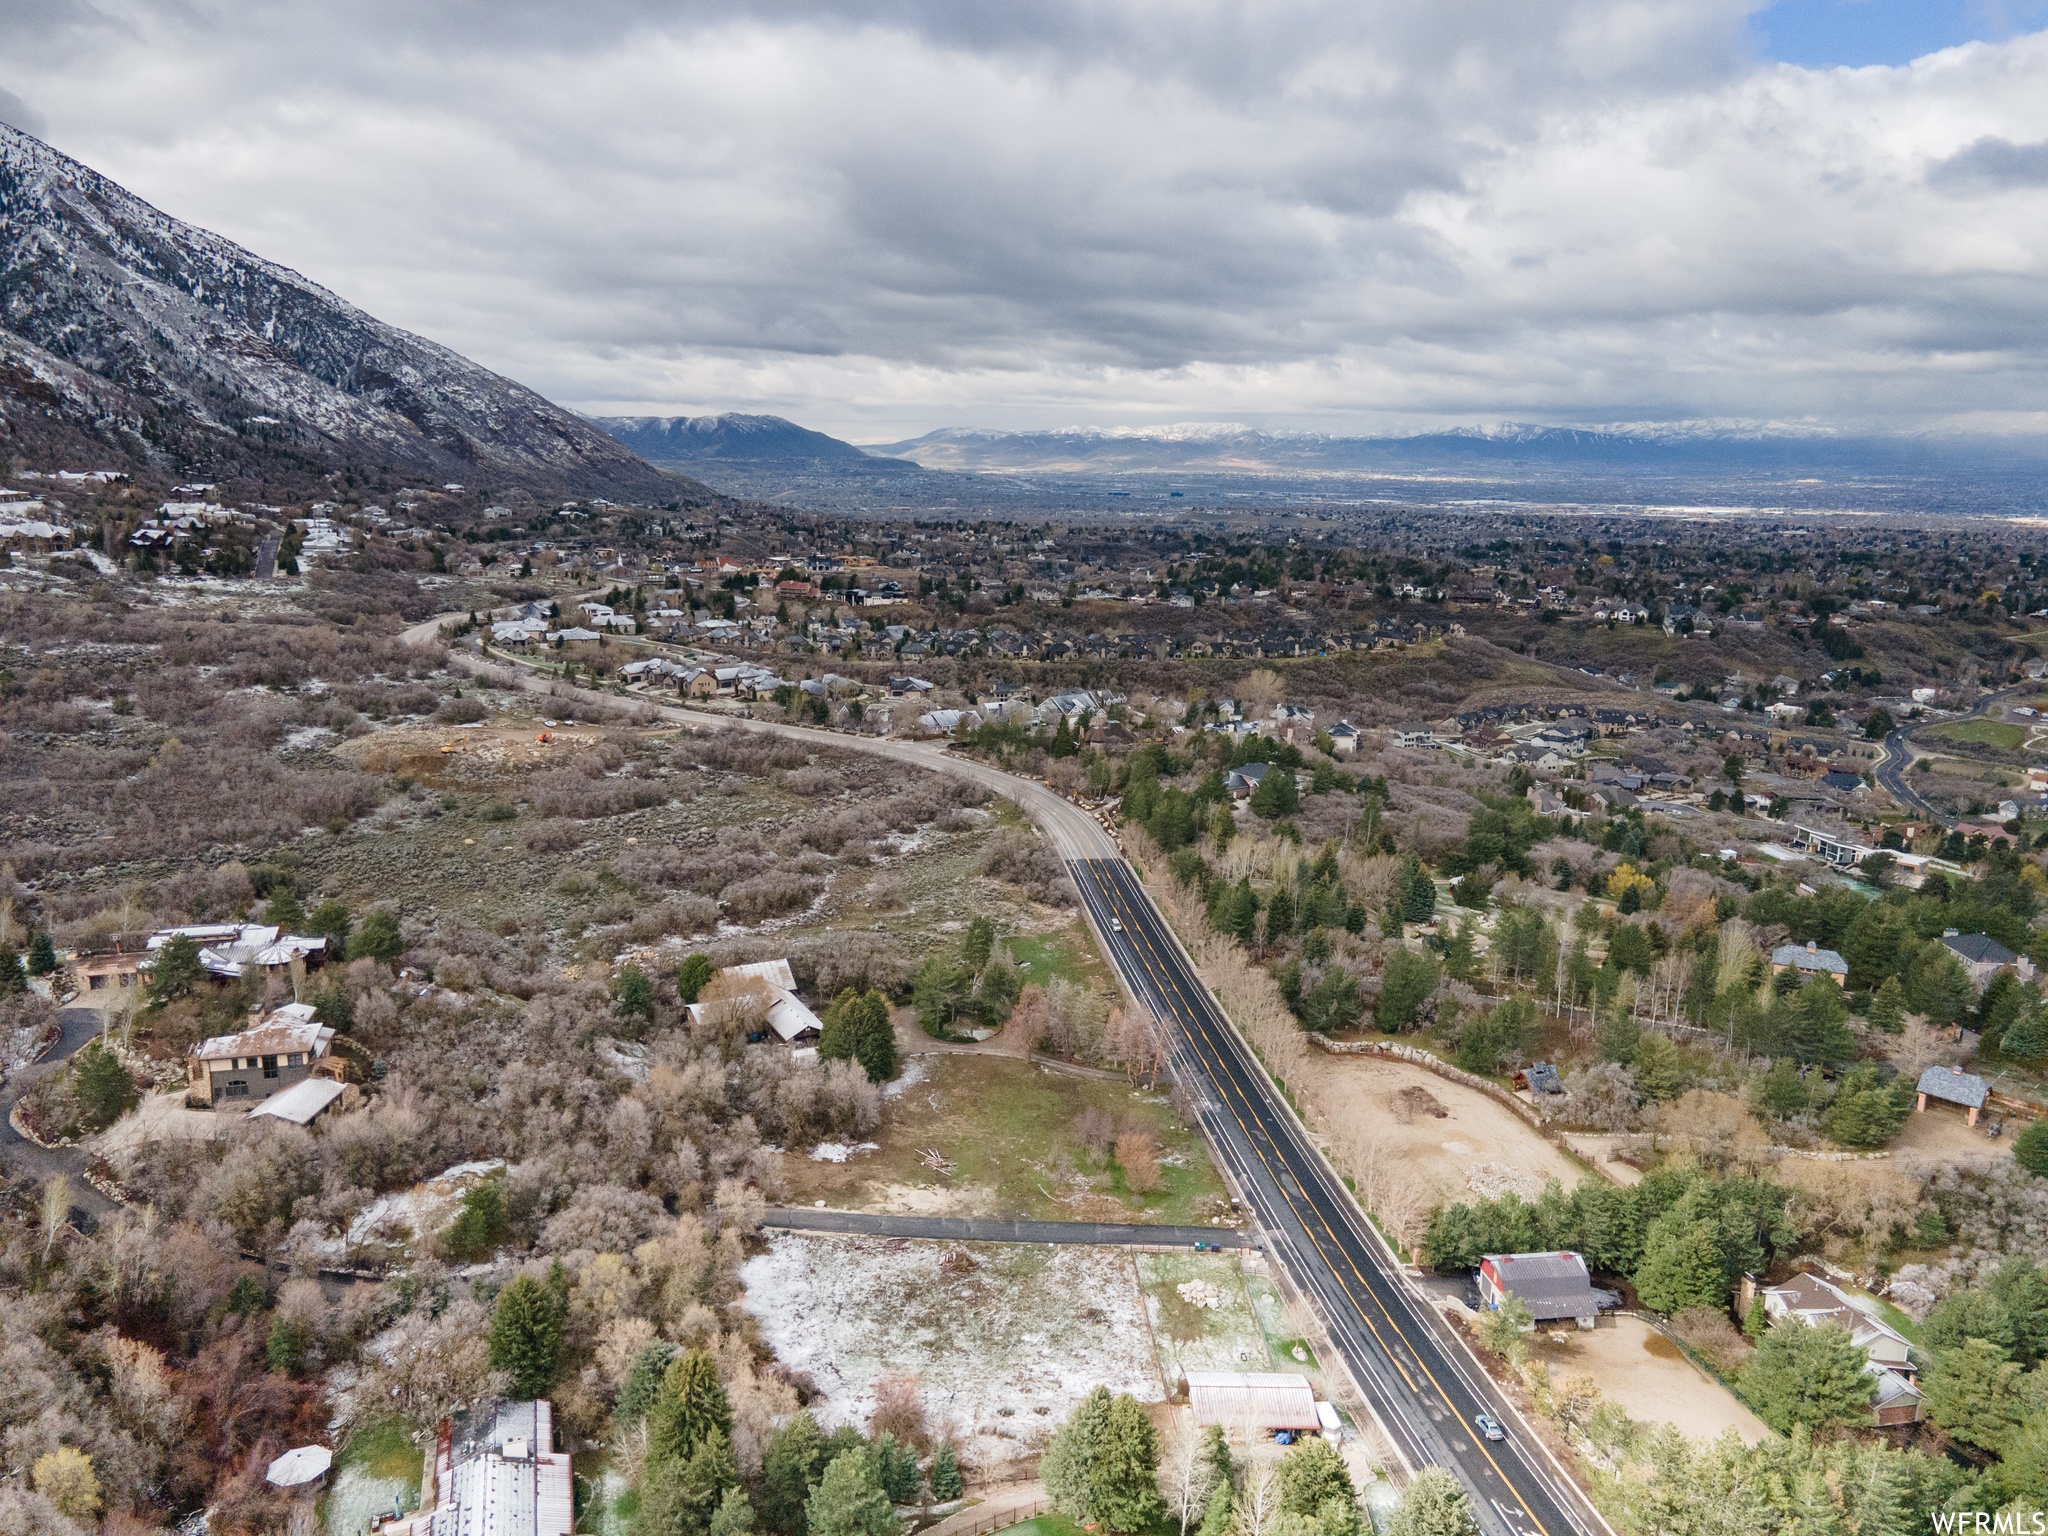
1160 972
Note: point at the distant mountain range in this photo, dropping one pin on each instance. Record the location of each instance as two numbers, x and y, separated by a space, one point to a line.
129 336
1232 448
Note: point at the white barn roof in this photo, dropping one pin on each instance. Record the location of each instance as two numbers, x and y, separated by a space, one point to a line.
1263 1399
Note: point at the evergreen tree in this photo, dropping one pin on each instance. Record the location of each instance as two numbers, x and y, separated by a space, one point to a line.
1405 985
1280 912
330 921
1241 911
176 972
945 1476
42 955
1433 1504
1068 1464
1220 1518
734 1515
283 909
1216 1451
526 1335
692 977
1458 952
1659 1072
1807 1377
1125 1477
1062 741
2026 1036
633 996
846 1501
1418 891
104 1088
1315 1483
1978 1395
978 943
874 1045
1682 1267
690 1406
1619 1036
2030 1151
1757 1321
378 938
1277 794
793 1462
642 1384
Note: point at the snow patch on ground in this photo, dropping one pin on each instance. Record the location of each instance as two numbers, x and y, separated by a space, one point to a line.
1004 1340
915 1071
397 1226
307 736
840 1151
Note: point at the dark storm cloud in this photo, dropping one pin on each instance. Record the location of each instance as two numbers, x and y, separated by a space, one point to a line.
1992 163
900 214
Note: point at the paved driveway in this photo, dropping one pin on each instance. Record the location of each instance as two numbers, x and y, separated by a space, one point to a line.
24 1157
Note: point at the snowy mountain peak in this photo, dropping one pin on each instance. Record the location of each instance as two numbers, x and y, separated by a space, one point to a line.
170 344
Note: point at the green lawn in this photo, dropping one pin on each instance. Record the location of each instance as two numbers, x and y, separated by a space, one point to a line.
1045 1525
1068 954
1989 733
383 1449
1009 1127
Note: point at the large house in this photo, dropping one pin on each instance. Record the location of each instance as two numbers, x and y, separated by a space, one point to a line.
229 951
116 963
498 1471
1810 1300
1983 957
1550 1285
276 1051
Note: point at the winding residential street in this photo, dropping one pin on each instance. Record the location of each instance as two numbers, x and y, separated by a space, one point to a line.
1892 773
24 1159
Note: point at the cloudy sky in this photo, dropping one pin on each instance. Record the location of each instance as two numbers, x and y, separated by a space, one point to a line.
883 216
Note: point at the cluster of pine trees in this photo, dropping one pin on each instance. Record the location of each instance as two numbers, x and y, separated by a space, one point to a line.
974 985
810 1483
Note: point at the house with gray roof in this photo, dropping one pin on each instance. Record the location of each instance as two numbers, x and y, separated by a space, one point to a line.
1810 960
1983 957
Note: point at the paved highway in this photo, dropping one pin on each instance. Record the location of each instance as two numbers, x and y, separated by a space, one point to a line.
976 1229
1422 1383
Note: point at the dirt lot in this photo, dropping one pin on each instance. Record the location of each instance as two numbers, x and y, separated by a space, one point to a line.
1003 1339
1942 1132
1644 1372
1004 1134
467 756
1479 1146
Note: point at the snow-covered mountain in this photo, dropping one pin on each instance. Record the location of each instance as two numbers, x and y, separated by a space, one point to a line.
127 333
734 438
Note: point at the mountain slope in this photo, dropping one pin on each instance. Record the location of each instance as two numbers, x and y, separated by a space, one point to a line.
738 439
130 329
